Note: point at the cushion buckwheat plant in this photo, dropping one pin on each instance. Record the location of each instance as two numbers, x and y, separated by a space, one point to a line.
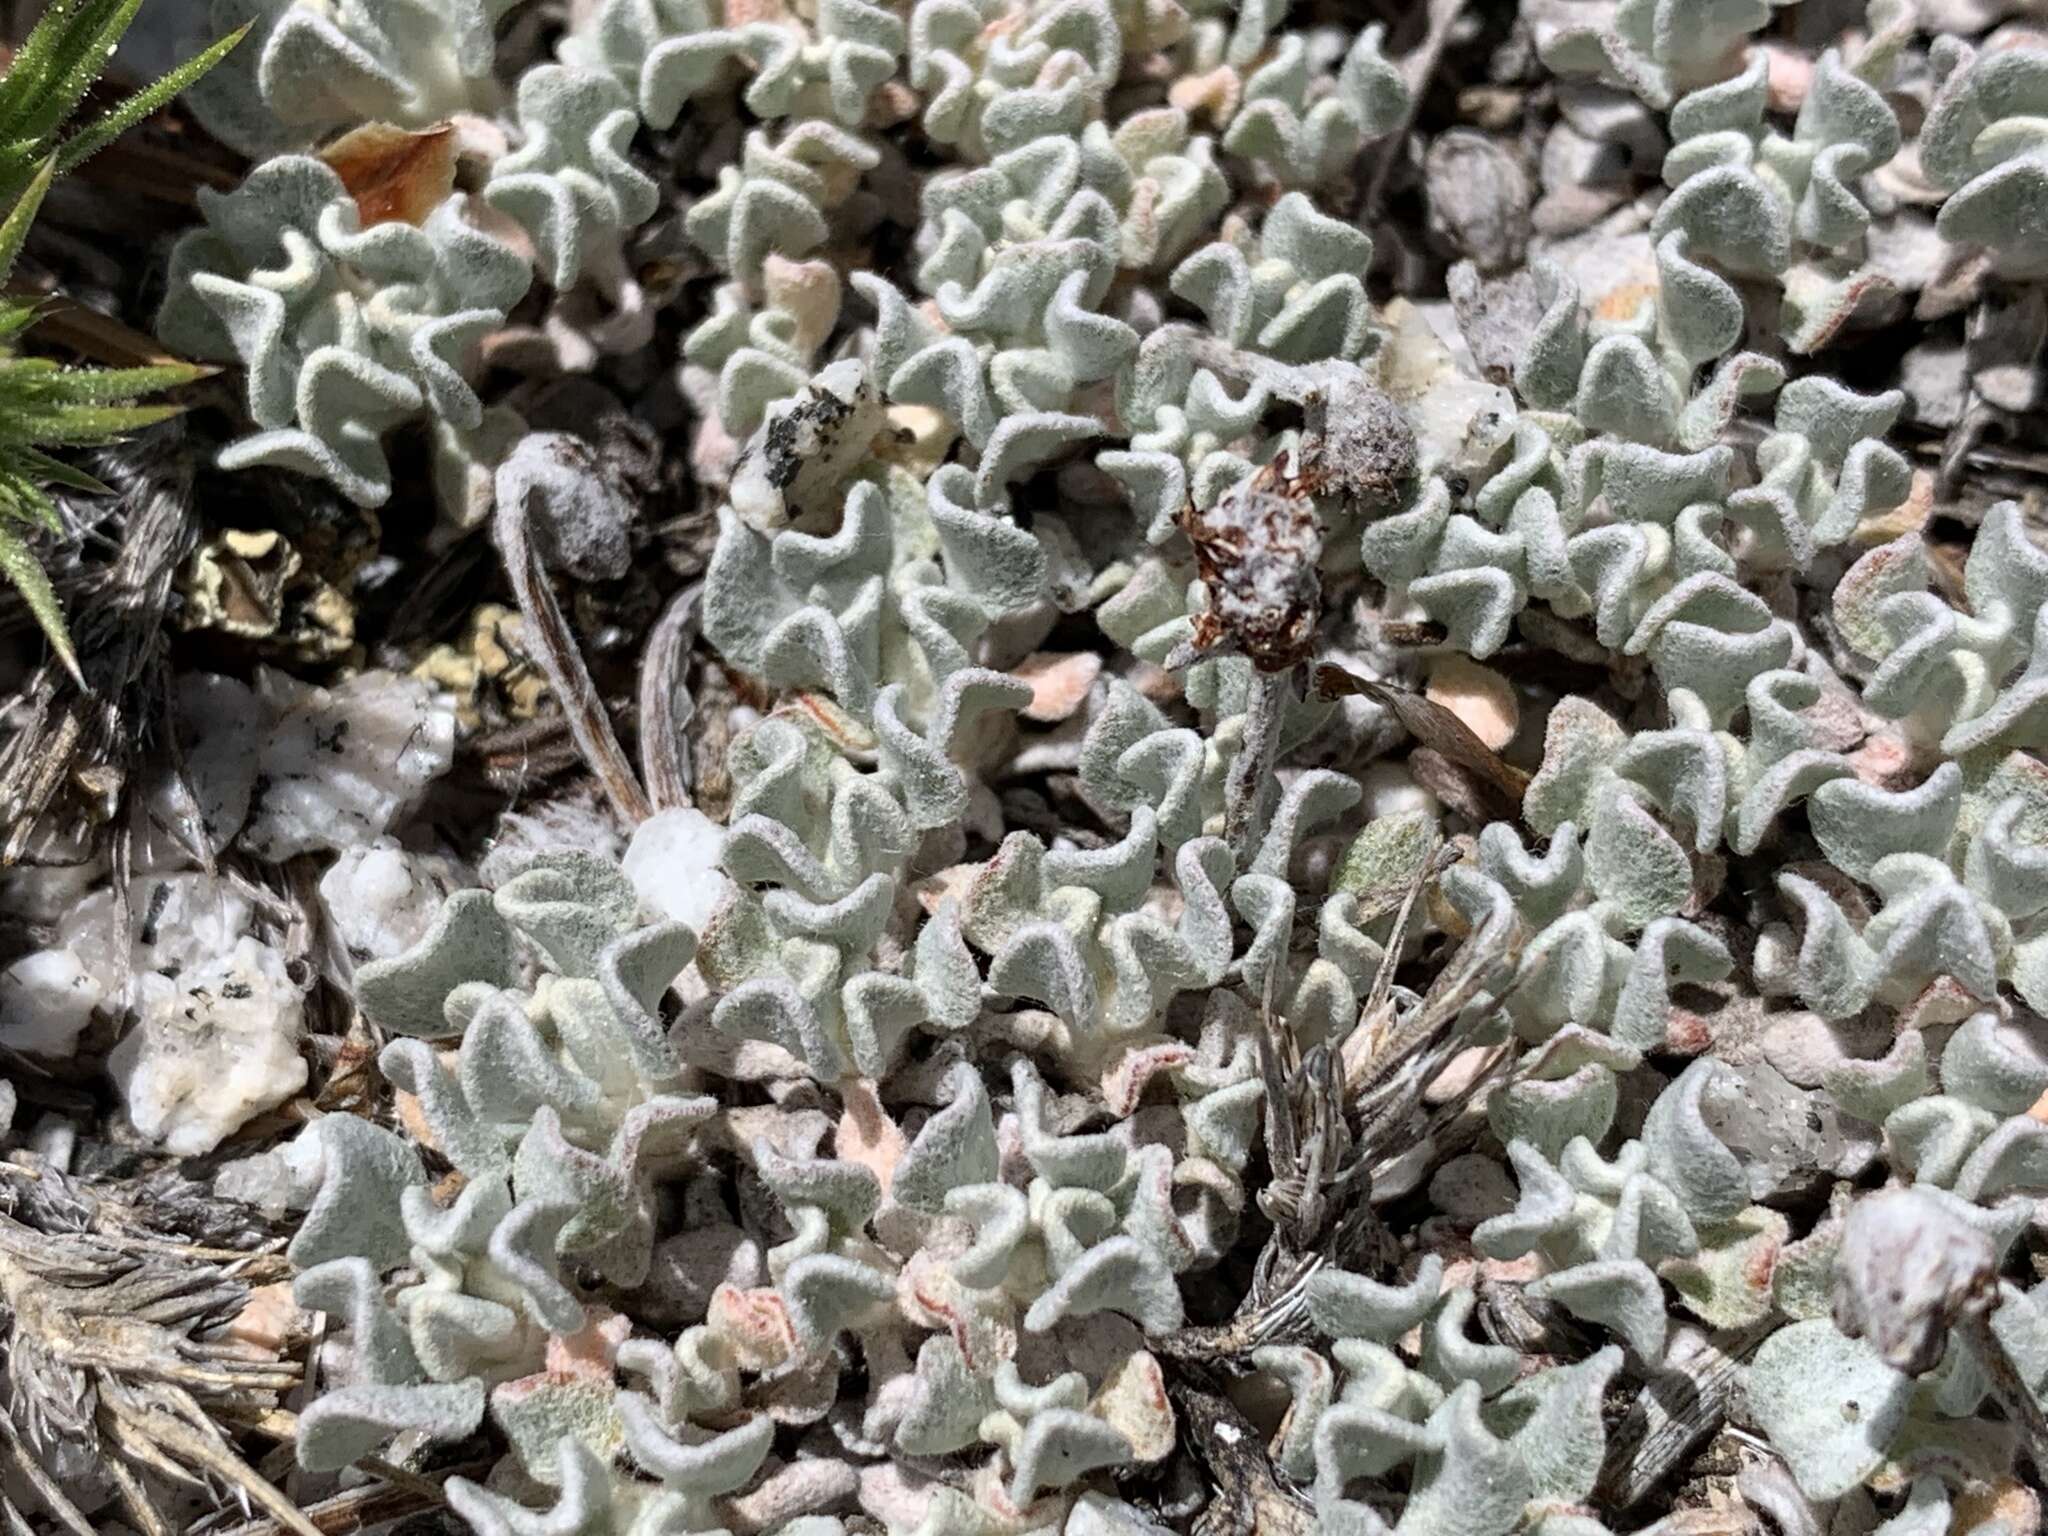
1332 889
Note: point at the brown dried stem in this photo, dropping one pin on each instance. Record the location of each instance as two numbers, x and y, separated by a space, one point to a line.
1249 1498
1421 66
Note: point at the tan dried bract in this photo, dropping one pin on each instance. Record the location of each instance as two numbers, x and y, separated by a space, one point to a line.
394 175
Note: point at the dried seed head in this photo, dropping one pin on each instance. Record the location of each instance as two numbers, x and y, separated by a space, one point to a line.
1359 445
1257 550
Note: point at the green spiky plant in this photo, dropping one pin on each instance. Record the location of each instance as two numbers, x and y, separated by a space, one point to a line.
43 404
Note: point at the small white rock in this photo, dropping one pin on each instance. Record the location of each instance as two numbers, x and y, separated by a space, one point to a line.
1059 682
283 1179
1471 1189
46 1000
45 893
381 900
340 764
672 861
793 468
175 923
1099 1514
217 1018
221 726
212 1047
1391 791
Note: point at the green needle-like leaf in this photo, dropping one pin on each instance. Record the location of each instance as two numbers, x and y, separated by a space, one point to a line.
44 404
88 142
20 566
14 228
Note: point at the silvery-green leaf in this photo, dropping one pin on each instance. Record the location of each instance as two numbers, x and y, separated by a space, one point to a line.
1686 1155
1347 1306
468 941
1119 1275
1454 1358
1560 1433
347 1423
947 1404
355 1210
1829 1405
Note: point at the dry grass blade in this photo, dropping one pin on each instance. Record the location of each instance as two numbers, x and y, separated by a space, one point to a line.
526 755
1436 728
1365 1042
666 706
102 1323
101 338
1249 1499
358 1509
190 1446
1673 1414
1249 790
1384 1037
68 770
563 661
135 1498
53 1496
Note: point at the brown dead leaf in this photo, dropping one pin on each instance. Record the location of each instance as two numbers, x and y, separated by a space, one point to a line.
1434 726
394 174
100 338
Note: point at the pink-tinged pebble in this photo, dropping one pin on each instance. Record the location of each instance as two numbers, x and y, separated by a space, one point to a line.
1459 1073
1155 683
2007 1505
1789 76
953 881
1217 92
1059 682
1477 695
268 1320
806 290
590 1351
1884 761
